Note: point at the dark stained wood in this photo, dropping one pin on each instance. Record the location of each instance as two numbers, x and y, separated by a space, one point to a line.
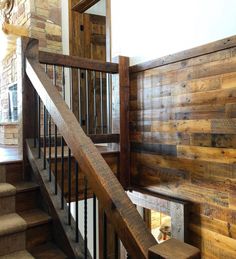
108 30
28 100
49 251
124 174
119 209
105 138
187 54
84 5
77 62
87 40
112 160
172 249
62 233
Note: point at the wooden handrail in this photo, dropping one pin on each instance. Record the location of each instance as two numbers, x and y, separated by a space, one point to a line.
186 54
119 209
77 62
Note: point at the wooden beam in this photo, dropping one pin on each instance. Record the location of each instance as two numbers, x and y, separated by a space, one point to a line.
124 174
172 249
186 54
84 5
118 207
105 138
176 209
77 62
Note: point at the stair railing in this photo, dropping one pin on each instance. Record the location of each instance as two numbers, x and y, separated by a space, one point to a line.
118 208
49 121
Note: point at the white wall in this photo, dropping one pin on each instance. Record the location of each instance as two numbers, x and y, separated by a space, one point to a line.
156 28
98 9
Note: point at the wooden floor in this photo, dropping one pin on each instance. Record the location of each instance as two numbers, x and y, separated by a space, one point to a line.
9 153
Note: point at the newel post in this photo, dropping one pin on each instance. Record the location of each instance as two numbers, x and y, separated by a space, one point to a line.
124 87
26 99
173 249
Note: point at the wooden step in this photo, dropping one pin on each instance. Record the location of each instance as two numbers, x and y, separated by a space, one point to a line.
7 198
49 251
38 227
18 255
27 196
12 233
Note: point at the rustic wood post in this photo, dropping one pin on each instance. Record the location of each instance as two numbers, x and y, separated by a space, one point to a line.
27 102
173 248
124 172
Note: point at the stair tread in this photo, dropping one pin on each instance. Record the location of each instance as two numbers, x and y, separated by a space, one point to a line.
7 189
25 186
49 251
35 217
11 223
18 255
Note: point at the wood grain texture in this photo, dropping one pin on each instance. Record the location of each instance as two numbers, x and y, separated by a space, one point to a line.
124 87
119 209
182 132
77 62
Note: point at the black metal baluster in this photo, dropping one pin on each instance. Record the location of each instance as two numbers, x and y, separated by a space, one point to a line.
108 102
71 89
94 103
55 159
85 217
87 101
69 186
35 122
94 227
62 173
101 102
49 148
55 134
44 136
39 126
104 236
63 83
79 95
116 246
76 201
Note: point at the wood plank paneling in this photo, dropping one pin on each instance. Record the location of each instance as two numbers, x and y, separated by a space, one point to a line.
183 139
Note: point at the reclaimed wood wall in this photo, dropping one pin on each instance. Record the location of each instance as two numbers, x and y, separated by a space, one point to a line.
183 140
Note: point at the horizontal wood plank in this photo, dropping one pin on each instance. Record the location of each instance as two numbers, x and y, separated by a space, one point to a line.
77 62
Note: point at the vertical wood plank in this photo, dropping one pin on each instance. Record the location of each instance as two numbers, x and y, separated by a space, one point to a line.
124 173
27 118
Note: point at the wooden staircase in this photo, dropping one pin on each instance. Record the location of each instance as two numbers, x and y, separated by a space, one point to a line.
32 227
25 227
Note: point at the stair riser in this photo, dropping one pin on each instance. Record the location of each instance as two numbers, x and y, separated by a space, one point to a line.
11 172
27 200
7 205
2 175
38 235
12 243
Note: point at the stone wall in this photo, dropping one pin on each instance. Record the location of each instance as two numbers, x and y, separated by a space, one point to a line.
9 133
42 18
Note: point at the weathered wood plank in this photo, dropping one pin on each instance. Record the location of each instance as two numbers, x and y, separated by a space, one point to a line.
183 55
77 62
131 229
